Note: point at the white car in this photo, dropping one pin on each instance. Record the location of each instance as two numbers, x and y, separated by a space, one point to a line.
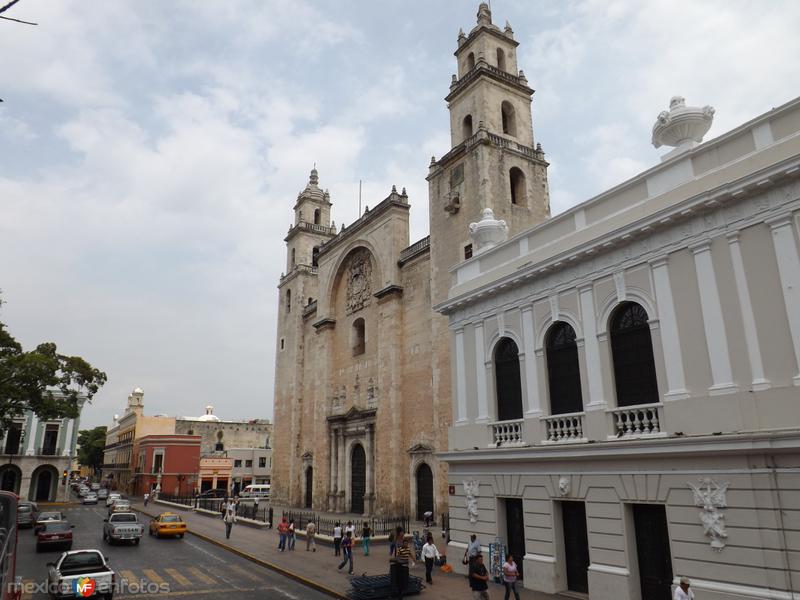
90 498
112 497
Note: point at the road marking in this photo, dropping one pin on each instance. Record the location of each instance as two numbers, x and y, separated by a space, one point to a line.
201 576
178 577
206 552
153 576
220 591
129 576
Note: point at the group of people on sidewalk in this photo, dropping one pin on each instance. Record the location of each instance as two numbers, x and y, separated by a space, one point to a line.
479 576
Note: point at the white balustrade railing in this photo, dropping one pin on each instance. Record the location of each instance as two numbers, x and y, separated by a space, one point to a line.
565 428
507 433
636 421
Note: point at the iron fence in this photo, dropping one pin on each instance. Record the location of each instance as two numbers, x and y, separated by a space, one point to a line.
325 525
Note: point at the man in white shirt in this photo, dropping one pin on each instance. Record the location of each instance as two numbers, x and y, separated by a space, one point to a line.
682 592
430 553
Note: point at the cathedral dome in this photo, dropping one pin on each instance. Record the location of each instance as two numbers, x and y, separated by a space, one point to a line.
313 191
209 416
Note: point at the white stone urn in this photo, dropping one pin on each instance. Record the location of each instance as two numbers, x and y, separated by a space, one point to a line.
682 126
487 233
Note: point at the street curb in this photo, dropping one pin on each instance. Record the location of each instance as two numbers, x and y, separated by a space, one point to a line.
278 569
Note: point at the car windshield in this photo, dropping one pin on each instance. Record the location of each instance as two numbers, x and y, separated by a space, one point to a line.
50 516
24 508
82 560
56 527
170 519
123 518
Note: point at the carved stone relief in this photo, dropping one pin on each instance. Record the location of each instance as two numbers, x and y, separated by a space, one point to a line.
471 489
359 281
710 496
563 486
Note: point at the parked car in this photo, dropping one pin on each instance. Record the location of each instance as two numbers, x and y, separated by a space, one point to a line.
47 517
168 524
113 497
54 533
73 570
120 506
90 498
215 494
122 527
102 494
27 513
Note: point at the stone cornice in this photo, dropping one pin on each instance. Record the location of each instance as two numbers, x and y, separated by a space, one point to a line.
681 212
484 137
686 446
324 324
304 226
484 69
491 30
296 272
388 291
394 200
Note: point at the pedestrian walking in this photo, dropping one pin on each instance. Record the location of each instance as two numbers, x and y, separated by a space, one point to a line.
337 539
311 532
682 592
473 549
347 552
229 517
478 579
283 532
146 498
351 528
431 555
366 533
392 544
255 508
428 515
292 534
510 574
400 564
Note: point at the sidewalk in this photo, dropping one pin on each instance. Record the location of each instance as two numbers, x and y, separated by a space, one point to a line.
319 569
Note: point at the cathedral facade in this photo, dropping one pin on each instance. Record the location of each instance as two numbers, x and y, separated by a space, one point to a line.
363 363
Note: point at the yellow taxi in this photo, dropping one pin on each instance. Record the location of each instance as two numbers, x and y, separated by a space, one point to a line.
167 524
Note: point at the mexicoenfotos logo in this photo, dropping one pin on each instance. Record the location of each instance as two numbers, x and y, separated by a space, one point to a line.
85 586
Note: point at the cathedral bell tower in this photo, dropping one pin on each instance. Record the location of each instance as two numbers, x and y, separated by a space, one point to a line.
298 288
493 162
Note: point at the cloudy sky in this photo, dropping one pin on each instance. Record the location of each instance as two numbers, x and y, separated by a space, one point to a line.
151 151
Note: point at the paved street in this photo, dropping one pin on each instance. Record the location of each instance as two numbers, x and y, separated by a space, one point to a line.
191 568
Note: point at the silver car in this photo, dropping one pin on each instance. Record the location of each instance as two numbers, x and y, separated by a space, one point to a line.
90 498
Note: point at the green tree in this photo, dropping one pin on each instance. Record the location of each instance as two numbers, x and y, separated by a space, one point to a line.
50 384
90 446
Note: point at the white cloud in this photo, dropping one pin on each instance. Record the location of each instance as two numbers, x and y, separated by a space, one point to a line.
150 153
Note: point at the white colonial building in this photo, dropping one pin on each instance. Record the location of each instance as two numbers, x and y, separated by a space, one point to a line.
626 376
35 454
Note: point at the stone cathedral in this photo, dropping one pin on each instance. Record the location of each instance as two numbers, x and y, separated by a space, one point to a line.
363 377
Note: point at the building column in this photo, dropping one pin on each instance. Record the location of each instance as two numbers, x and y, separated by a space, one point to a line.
713 323
332 443
370 495
341 468
461 383
480 374
748 318
68 438
670 341
594 371
532 403
31 439
789 271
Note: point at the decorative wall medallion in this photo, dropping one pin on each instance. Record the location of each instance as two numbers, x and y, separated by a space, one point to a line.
471 489
563 486
359 281
710 496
